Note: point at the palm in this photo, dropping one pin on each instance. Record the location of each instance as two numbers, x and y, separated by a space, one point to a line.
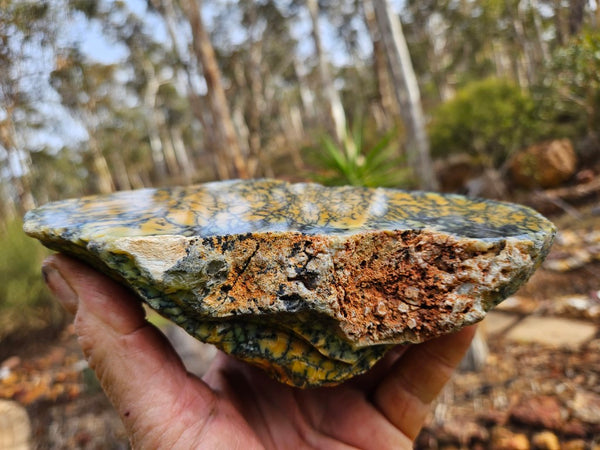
284 417
236 405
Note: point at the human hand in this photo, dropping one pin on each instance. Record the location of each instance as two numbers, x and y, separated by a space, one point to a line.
236 405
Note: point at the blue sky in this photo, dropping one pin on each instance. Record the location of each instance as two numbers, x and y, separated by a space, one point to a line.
98 47
95 44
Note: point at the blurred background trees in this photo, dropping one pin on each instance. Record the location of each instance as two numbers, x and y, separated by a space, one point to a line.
97 96
103 95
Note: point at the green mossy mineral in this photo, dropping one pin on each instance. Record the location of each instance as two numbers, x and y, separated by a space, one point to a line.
313 284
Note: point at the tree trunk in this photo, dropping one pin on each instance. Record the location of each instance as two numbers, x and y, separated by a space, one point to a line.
334 103
223 125
407 92
121 176
255 105
156 144
19 163
293 129
500 64
7 205
104 180
528 58
219 160
537 22
384 85
139 179
167 9
185 162
170 155
560 23
576 10
306 95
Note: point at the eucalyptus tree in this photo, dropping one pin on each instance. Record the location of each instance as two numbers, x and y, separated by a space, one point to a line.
569 17
407 91
190 42
27 31
215 92
259 62
165 110
86 90
358 64
333 103
148 71
458 42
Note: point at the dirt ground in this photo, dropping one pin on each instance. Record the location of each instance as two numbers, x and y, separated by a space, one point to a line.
537 388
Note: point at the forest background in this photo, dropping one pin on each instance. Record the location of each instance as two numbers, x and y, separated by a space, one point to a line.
98 96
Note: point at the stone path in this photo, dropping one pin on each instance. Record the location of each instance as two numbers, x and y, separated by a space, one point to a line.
15 428
540 385
545 330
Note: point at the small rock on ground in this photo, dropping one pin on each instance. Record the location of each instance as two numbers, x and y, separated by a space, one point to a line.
552 331
545 440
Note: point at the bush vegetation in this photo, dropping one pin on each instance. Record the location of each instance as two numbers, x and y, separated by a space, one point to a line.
25 302
568 95
361 160
488 119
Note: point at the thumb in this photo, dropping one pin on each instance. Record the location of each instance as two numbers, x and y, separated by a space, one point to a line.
137 367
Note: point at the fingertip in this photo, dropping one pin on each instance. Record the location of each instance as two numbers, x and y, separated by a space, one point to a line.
112 303
450 349
465 335
405 394
61 289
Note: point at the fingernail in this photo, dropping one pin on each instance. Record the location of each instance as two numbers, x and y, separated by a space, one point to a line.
60 288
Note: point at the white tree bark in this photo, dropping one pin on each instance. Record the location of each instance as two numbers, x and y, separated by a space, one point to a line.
334 103
407 92
228 145
19 163
219 132
184 159
389 105
528 58
537 22
156 144
306 95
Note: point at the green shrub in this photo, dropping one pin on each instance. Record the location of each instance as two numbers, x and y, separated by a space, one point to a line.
358 163
568 94
25 302
489 119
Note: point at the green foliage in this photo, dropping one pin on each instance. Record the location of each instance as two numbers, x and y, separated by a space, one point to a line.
358 164
568 95
57 174
489 119
87 7
25 15
25 302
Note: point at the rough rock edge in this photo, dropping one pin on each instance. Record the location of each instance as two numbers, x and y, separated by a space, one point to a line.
308 292
384 287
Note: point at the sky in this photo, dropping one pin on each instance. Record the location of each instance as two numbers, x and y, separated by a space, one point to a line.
95 44
98 47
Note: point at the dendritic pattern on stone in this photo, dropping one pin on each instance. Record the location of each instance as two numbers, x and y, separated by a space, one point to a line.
313 284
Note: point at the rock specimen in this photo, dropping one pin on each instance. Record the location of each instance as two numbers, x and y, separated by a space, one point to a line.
313 284
546 164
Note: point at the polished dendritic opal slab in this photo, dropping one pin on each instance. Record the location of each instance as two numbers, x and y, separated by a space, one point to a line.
314 284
